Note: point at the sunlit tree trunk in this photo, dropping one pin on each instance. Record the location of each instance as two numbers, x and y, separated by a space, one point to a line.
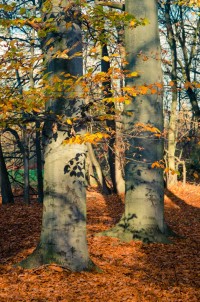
143 218
63 236
120 183
100 176
172 176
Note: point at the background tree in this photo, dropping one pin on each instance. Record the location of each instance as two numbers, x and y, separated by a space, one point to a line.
177 24
6 191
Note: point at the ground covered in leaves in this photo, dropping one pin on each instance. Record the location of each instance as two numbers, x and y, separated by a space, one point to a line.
131 272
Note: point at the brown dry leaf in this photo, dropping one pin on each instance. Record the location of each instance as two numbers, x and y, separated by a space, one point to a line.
132 272
55 267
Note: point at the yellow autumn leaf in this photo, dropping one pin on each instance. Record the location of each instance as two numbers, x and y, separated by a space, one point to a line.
134 74
153 91
99 135
195 175
132 23
155 164
36 109
188 85
171 83
115 55
94 49
145 21
106 58
69 122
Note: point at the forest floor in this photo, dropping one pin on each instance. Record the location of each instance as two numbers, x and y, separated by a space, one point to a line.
131 272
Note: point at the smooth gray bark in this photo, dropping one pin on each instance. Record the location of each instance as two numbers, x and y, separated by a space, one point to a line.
143 218
171 164
63 236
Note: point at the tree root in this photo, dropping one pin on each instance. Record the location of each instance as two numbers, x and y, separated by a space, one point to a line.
147 235
39 258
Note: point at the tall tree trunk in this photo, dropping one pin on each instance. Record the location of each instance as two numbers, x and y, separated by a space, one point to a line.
172 177
39 163
105 65
143 218
120 183
63 237
26 165
25 147
6 191
110 106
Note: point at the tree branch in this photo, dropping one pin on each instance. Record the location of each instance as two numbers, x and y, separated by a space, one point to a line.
111 4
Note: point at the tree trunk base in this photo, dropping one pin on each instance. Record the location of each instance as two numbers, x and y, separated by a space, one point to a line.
146 235
40 257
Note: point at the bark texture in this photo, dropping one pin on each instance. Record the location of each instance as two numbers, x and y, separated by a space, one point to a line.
172 177
143 218
63 237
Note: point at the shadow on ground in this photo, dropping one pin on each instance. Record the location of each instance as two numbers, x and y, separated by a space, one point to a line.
132 272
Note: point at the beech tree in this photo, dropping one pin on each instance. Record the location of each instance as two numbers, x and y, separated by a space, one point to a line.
172 177
63 236
143 218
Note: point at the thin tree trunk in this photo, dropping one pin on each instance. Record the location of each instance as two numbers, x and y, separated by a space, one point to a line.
39 163
26 165
101 178
120 183
172 177
110 106
26 149
188 57
90 173
6 190
105 65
